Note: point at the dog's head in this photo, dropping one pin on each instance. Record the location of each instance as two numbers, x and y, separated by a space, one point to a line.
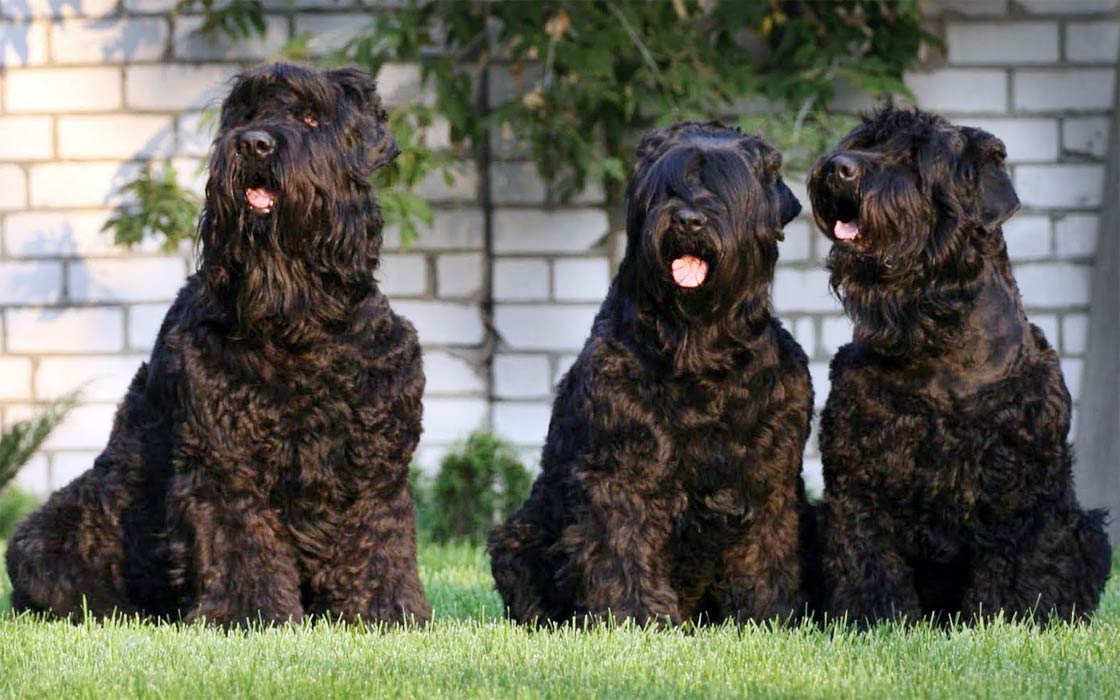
912 205
290 219
295 144
704 213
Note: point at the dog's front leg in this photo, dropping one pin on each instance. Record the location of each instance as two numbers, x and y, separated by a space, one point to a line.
618 550
372 573
244 572
867 578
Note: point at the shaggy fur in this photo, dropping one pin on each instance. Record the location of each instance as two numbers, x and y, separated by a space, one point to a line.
671 478
947 472
257 468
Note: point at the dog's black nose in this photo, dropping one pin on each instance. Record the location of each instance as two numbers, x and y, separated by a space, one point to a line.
844 167
689 219
256 143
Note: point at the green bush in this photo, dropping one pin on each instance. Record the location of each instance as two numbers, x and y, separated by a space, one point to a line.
15 503
17 444
477 485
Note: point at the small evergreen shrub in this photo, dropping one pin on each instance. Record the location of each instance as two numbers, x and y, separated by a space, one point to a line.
477 486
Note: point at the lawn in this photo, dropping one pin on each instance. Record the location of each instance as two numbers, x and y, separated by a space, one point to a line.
469 652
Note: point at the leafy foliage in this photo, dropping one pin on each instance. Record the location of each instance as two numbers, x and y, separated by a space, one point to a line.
156 204
587 75
480 484
23 438
15 505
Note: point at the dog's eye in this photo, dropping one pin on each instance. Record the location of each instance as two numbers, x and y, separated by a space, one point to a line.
309 119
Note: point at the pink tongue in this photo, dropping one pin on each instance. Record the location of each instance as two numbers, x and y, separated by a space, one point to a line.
689 271
259 198
846 230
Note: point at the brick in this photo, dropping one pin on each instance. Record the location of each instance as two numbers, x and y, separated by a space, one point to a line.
1027 140
536 231
969 8
1092 42
563 364
192 174
1048 324
798 241
78 184
15 378
1059 185
521 279
330 32
1073 369
13 188
403 275
1027 237
144 321
803 290
521 376
98 329
25 138
67 466
1075 334
128 280
62 90
522 422
1085 136
399 84
442 322
1038 90
580 279
1076 235
150 6
188 44
459 275
1002 42
1069 7
104 378
450 419
34 476
812 472
43 234
427 457
23 9
25 283
109 41
1053 285
451 374
516 183
805 333
818 373
121 136
544 327
836 331
450 230
195 133
176 87
316 5
506 85
462 188
960 90
84 428
23 43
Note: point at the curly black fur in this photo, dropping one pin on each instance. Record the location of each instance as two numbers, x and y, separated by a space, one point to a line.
948 475
671 479
257 468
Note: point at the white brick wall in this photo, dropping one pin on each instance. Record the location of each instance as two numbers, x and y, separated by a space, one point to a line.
90 89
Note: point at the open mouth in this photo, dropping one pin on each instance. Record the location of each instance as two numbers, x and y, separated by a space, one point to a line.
689 271
846 225
260 199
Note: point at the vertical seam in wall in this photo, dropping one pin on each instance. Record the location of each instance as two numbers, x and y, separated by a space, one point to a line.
485 197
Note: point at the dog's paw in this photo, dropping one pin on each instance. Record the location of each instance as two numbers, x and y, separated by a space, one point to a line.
229 615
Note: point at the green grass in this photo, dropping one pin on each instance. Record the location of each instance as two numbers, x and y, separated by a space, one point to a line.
469 652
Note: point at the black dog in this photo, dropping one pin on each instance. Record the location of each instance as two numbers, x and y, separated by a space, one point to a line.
671 484
257 468
947 472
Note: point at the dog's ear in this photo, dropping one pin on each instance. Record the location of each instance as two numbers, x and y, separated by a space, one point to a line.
790 207
650 142
998 200
359 89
